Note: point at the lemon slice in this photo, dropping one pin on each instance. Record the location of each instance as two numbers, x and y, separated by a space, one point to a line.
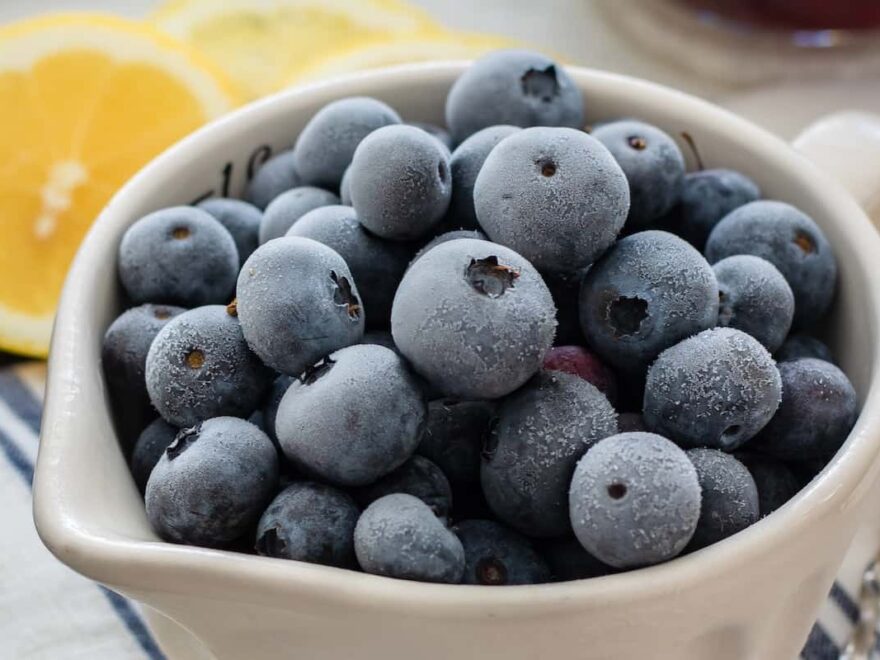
258 42
419 48
85 101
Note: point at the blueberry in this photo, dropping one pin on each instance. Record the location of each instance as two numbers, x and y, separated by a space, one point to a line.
635 500
273 400
418 477
729 497
542 431
775 481
514 87
653 164
565 289
438 132
242 221
345 187
716 389
555 195
580 362
788 239
275 176
289 207
377 265
381 338
326 145
199 367
400 183
179 256
496 556
706 197
297 301
148 449
309 522
353 417
465 165
212 483
650 291
755 298
817 412
440 239
799 346
124 359
568 560
474 319
399 536
454 436
630 421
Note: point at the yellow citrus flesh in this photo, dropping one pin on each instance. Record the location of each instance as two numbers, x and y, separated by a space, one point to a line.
259 42
85 101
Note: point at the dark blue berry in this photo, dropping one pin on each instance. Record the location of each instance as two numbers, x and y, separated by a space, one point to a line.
497 556
569 561
212 483
635 500
289 207
629 421
309 522
438 132
148 449
242 221
273 400
454 437
799 346
419 477
775 481
399 536
275 176
180 256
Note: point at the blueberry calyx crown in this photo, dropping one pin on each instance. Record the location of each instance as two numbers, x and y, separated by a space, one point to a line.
345 296
541 83
625 315
491 571
183 440
270 544
489 277
314 372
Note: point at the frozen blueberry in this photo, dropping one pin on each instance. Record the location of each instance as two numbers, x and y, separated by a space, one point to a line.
297 301
475 319
124 359
454 435
555 195
275 176
496 556
199 367
400 183
635 500
474 234
419 477
180 256
289 207
309 522
650 291
580 362
465 164
706 197
242 221
653 165
542 431
716 389
630 421
788 239
399 536
775 481
353 417
568 560
212 483
345 187
515 87
565 289
799 346
273 400
754 297
438 132
148 449
730 497
327 143
377 265
817 412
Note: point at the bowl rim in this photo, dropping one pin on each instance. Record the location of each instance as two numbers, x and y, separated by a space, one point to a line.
151 565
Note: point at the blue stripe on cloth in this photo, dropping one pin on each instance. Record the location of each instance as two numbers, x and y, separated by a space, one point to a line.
846 604
23 403
820 646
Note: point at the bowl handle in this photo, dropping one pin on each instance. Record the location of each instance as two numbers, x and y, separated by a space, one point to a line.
847 146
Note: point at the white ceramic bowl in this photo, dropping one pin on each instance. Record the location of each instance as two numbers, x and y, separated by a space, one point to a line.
754 595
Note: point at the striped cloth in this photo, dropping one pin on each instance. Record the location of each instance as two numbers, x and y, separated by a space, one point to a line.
53 613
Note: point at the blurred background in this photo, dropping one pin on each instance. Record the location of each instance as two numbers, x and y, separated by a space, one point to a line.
90 95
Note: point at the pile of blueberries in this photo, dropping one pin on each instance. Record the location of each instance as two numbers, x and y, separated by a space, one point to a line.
510 352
